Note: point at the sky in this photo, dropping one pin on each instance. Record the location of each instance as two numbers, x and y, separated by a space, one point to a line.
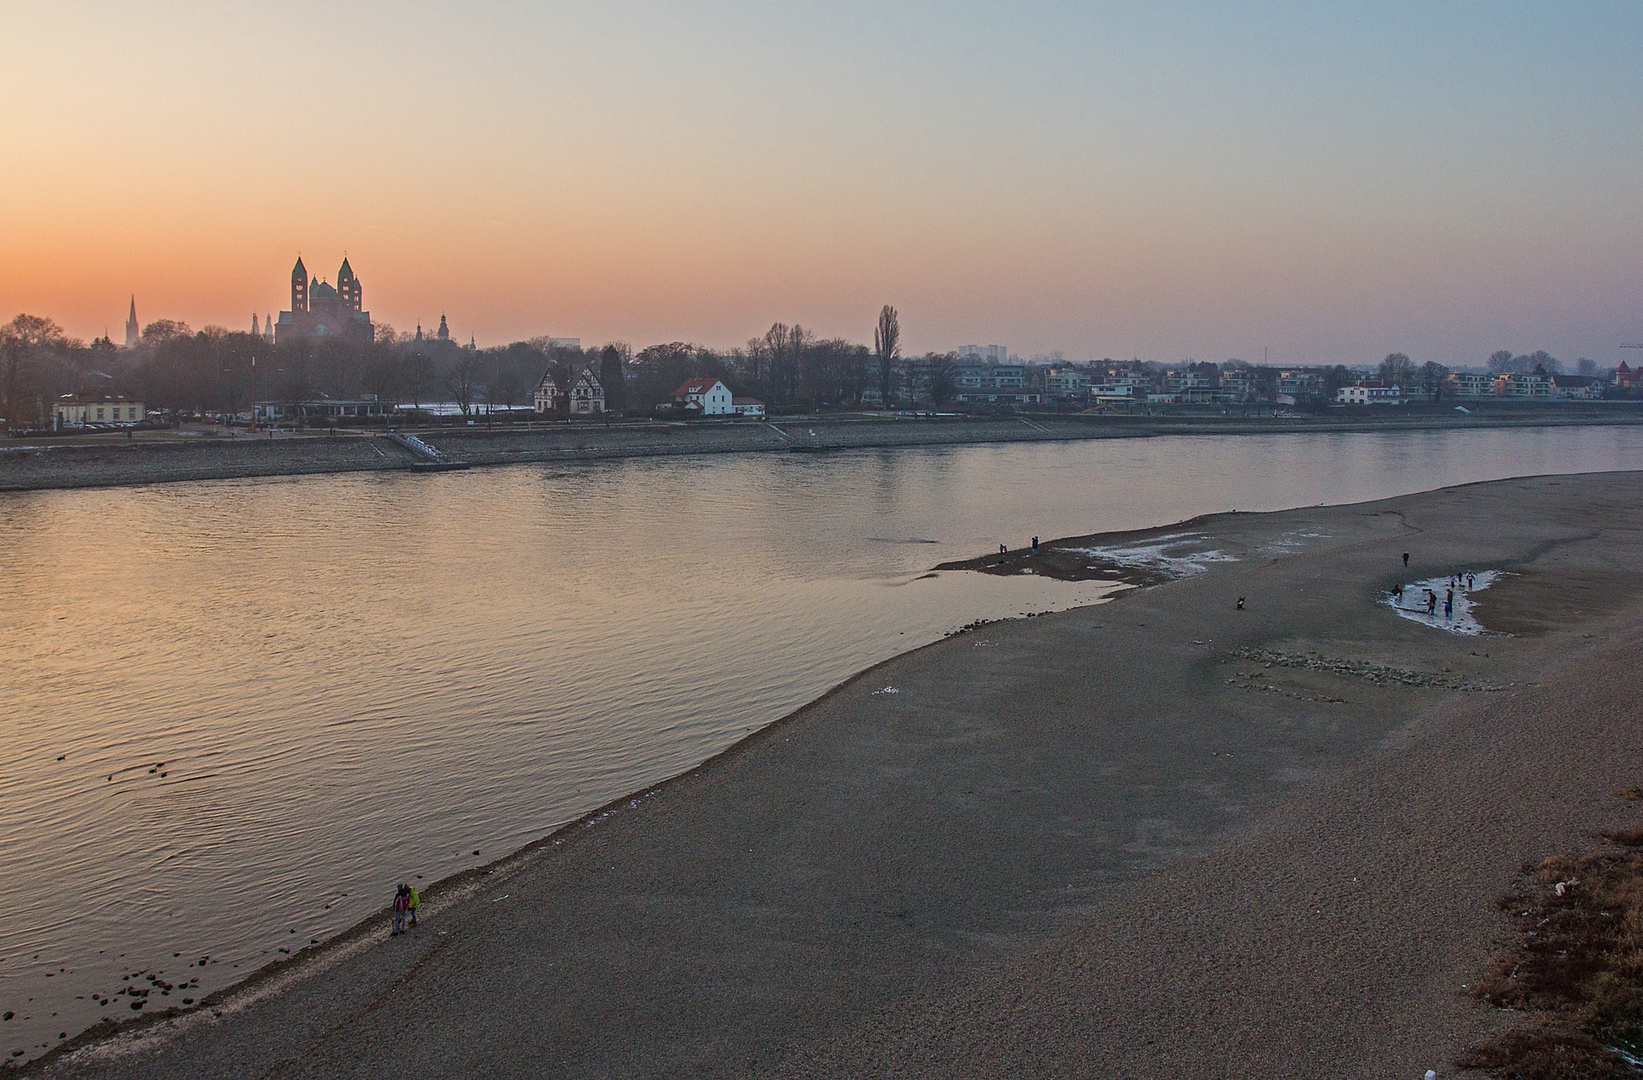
1309 183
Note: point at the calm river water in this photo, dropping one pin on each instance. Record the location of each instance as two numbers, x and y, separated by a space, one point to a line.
234 713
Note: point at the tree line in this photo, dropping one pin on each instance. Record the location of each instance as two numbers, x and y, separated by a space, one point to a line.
218 371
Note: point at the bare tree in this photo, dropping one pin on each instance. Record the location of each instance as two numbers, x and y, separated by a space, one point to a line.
942 371
506 384
756 365
1586 366
887 347
161 331
296 382
659 369
335 364
417 376
1396 370
21 342
463 382
1431 379
381 375
799 343
774 348
1542 362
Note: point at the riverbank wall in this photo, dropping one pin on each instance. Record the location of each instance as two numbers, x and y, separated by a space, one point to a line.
44 465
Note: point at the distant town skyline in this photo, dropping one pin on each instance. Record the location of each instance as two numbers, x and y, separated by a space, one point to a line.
1196 180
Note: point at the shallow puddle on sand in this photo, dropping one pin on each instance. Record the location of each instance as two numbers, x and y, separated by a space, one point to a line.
1461 620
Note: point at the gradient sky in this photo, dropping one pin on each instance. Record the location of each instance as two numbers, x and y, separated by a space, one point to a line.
1187 180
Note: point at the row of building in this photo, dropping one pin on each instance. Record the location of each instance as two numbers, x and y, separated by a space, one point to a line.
1237 384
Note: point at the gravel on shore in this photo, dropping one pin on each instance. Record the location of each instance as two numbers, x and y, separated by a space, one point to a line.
1083 849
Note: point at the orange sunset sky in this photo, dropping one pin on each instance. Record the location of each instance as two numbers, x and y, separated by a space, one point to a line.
1197 179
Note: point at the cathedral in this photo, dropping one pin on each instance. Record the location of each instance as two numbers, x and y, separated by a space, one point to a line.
319 310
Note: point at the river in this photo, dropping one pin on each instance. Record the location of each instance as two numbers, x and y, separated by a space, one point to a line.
234 713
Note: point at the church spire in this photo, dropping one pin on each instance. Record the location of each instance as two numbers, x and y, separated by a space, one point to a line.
133 334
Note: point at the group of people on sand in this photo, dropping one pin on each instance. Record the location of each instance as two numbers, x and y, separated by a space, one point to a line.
406 901
1456 581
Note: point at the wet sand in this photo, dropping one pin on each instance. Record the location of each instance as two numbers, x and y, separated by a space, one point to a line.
1156 837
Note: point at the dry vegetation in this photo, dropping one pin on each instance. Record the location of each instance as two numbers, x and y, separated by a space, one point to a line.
1577 970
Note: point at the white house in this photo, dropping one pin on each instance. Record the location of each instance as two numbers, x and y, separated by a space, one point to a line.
1469 384
76 412
704 397
1523 386
1065 384
1369 392
746 406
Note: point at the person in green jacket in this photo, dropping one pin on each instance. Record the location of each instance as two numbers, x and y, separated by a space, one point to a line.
416 902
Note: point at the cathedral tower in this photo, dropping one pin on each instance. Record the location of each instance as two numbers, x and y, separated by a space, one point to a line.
319 310
299 287
133 335
348 286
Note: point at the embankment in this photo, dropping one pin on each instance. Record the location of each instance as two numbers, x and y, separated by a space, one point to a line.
45 464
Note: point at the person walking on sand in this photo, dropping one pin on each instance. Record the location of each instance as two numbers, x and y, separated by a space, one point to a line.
416 901
1406 560
402 905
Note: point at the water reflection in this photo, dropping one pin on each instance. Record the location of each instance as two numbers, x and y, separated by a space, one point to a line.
273 698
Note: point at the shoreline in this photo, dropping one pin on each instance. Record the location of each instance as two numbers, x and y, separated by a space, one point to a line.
119 463
1240 533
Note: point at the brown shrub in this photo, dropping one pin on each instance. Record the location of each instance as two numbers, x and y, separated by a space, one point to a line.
1627 837
1541 1054
1578 968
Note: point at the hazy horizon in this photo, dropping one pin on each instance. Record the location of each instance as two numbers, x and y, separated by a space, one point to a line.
1198 180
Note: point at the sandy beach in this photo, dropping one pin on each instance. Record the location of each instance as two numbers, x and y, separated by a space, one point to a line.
1156 837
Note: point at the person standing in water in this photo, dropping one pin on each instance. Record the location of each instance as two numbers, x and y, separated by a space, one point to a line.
1468 582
